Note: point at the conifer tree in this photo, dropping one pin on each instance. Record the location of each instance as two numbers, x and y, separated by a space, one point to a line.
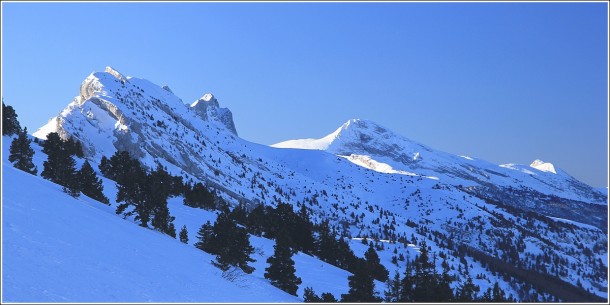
392 294
467 292
204 238
228 242
199 197
444 293
281 271
309 296
10 124
498 294
328 297
406 284
184 235
378 271
425 277
157 189
90 184
361 285
60 166
21 153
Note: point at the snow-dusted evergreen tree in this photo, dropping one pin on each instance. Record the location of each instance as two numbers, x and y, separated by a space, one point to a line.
281 271
21 153
90 184
10 124
184 235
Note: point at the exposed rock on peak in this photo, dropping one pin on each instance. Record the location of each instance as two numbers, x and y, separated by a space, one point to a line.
115 73
208 108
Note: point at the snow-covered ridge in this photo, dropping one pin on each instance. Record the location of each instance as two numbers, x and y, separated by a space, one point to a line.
359 137
157 126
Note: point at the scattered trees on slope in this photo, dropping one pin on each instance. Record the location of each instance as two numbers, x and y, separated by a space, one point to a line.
21 153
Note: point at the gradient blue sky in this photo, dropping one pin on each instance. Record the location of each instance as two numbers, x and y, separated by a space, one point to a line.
506 82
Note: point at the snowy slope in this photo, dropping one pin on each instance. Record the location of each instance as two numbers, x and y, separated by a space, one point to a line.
60 249
411 192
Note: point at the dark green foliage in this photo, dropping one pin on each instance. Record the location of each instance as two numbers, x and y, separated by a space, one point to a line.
407 284
422 283
73 147
184 235
270 221
393 293
146 193
21 153
467 292
10 124
60 166
361 285
228 242
90 184
204 237
332 250
198 196
131 183
281 271
378 271
105 167
328 297
256 221
309 296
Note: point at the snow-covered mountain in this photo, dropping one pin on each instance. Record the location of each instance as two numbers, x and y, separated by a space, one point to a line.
368 182
371 145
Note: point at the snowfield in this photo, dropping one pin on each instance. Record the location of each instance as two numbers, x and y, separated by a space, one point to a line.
59 249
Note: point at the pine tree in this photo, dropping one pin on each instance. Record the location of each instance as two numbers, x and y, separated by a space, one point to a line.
21 153
309 296
60 166
10 124
444 293
392 295
157 189
378 271
199 197
498 294
204 237
90 184
361 285
184 235
467 292
281 271
228 242
407 284
425 277
328 297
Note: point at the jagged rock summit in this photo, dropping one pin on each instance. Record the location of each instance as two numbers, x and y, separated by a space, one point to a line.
113 112
208 107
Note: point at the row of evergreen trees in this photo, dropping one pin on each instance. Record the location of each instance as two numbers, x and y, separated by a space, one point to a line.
146 193
60 164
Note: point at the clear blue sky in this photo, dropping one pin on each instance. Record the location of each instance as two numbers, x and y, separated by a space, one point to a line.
506 82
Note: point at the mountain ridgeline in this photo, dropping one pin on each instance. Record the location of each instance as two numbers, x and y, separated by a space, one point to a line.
531 227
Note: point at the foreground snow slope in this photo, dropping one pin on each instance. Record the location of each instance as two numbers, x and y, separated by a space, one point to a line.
60 249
